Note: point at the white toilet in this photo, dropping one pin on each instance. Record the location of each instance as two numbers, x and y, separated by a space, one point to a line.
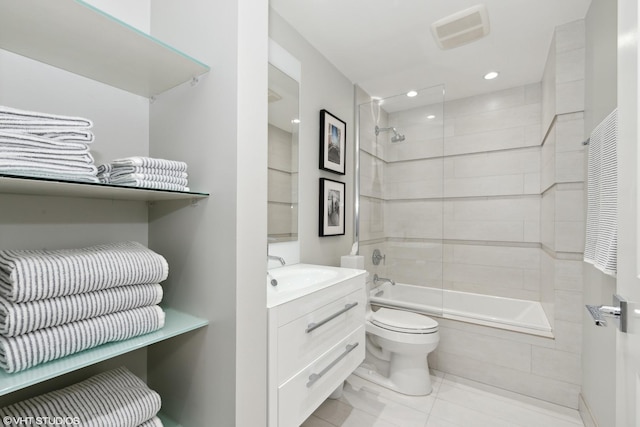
398 343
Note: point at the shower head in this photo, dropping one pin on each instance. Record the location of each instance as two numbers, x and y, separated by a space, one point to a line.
397 137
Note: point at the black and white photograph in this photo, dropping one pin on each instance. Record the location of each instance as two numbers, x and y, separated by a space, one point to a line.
332 143
331 205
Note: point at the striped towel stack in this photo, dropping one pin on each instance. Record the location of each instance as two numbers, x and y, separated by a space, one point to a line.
146 172
56 303
115 398
46 145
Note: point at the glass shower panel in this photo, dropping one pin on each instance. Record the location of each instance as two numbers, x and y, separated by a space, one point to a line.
401 142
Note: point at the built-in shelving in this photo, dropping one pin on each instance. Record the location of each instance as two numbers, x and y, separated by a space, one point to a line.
77 37
167 422
11 184
176 323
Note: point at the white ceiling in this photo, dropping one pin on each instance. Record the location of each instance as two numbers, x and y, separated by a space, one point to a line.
386 46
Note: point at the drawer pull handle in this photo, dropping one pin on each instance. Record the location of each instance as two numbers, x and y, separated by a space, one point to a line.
314 326
315 377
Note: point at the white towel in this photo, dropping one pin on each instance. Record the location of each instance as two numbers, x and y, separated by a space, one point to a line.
57 134
30 275
132 177
21 318
149 184
115 398
13 118
10 141
601 243
83 160
29 170
149 162
41 346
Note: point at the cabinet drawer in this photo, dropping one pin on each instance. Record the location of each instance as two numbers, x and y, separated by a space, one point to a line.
306 338
302 394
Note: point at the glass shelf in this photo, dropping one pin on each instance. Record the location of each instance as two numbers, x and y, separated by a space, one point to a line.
176 323
77 37
167 422
15 184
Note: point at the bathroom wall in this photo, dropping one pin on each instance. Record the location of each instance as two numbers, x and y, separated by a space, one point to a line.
322 86
598 346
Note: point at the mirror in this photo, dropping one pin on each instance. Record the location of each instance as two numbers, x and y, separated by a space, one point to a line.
283 157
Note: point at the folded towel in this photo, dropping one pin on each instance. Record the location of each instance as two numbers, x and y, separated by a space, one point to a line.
58 134
146 177
149 184
70 160
21 318
39 142
30 275
116 171
106 168
115 398
31 171
13 118
149 162
153 422
41 346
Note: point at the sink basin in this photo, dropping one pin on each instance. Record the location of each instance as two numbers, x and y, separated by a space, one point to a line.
298 280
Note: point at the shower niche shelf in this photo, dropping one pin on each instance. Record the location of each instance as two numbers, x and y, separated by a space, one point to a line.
77 37
176 323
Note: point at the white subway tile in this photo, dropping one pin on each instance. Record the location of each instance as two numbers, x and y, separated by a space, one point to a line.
499 119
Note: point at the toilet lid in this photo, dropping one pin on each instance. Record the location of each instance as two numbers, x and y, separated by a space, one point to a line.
403 321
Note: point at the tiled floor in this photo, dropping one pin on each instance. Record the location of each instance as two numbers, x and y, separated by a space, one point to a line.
454 402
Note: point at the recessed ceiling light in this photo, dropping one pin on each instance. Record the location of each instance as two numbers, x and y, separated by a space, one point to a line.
412 93
491 75
431 117
295 121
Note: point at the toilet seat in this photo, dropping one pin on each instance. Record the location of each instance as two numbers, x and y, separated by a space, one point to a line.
403 321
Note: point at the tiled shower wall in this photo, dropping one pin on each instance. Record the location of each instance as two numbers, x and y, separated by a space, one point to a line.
494 205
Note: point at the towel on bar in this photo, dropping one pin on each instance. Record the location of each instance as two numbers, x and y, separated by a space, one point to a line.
10 141
150 184
153 422
115 398
41 346
601 243
21 318
72 135
146 177
30 275
13 118
149 162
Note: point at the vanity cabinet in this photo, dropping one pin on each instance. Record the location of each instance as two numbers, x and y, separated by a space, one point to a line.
315 342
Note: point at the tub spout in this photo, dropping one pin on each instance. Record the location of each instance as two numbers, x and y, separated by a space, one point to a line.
377 279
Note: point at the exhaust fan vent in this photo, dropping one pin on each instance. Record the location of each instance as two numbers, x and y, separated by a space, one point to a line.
462 27
273 96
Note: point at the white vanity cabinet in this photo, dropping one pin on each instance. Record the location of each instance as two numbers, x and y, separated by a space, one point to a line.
315 342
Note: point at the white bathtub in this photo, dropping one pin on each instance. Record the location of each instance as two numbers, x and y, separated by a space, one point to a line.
498 312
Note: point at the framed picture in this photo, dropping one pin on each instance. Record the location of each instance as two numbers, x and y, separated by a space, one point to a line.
333 132
331 207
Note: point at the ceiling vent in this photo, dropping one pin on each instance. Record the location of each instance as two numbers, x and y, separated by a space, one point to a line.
274 96
462 27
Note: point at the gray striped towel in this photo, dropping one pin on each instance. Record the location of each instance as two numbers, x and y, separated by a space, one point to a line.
147 177
14 118
23 141
149 184
20 318
153 422
149 162
30 275
115 398
41 346
126 170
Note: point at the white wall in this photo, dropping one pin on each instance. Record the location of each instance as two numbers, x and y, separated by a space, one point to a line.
598 347
322 87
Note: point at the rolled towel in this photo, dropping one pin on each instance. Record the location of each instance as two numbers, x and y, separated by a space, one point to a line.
14 118
41 346
9 141
153 422
149 184
21 318
146 177
149 162
115 398
127 170
30 275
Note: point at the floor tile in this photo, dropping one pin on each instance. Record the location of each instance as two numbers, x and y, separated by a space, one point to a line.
314 421
438 422
342 415
461 416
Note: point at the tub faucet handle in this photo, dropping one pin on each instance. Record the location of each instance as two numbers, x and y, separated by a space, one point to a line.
377 257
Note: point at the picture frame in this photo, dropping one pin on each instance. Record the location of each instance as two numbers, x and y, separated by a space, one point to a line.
333 133
331 207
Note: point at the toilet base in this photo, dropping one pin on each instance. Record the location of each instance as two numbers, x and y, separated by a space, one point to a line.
412 382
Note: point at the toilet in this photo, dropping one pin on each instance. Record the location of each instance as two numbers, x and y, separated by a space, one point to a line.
398 343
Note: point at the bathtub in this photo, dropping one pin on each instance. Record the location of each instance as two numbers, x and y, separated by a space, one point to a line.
498 312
